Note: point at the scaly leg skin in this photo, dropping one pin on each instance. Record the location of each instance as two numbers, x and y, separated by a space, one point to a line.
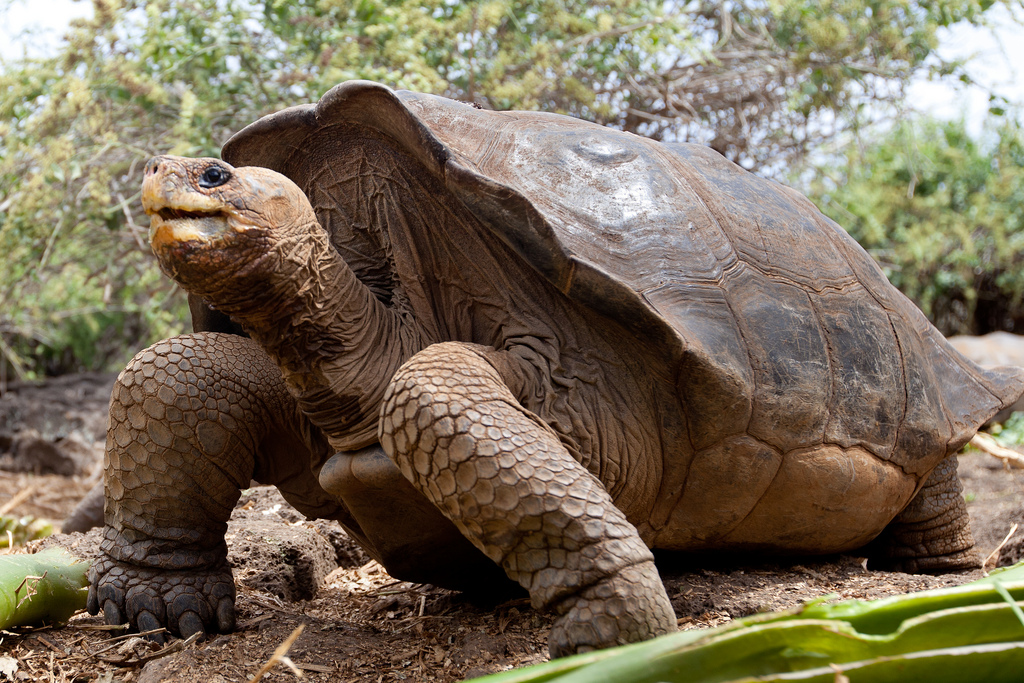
193 420
503 477
933 533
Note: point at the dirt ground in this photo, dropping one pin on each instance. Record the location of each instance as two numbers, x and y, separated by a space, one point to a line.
359 624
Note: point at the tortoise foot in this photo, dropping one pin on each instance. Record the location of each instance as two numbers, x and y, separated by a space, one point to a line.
933 534
184 601
628 607
936 564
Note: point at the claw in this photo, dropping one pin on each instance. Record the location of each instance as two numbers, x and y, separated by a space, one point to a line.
141 600
226 615
108 591
146 621
190 623
184 603
112 613
92 603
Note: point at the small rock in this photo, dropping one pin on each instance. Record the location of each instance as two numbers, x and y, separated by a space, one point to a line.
284 559
159 669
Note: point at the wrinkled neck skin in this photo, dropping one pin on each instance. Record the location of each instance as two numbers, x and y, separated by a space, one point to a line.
337 345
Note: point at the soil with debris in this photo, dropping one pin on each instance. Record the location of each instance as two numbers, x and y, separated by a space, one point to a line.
358 623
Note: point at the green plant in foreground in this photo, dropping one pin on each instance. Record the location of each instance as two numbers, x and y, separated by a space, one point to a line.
968 633
44 588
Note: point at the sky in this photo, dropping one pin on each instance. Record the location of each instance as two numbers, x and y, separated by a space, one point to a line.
997 60
50 17
997 63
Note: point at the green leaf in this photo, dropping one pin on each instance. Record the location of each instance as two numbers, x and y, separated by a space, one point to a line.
994 663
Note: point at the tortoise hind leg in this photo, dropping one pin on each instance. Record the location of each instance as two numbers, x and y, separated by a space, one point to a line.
933 533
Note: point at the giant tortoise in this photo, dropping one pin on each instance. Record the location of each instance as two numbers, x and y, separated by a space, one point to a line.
519 344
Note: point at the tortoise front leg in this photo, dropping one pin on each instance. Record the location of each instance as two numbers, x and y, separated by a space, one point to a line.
193 420
503 477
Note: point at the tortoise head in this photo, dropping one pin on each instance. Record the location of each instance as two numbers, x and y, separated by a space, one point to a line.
213 226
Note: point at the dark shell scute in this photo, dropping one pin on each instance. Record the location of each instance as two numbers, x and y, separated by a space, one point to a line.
715 377
868 400
791 366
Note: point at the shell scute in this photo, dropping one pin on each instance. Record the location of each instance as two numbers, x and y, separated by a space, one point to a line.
789 357
606 202
868 399
715 376
839 486
767 224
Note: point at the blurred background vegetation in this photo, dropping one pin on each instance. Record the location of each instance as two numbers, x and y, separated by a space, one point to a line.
809 91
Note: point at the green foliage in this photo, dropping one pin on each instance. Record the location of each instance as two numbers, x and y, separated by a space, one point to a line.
80 289
1011 432
21 530
553 56
943 215
776 79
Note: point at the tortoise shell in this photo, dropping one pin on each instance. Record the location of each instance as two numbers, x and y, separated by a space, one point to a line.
777 324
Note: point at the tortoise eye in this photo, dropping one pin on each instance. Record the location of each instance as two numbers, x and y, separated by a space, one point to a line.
214 176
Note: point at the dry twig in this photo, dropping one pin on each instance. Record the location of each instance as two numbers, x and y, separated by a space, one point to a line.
176 646
984 442
995 553
281 655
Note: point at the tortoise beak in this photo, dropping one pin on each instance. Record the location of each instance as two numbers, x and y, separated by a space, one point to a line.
178 212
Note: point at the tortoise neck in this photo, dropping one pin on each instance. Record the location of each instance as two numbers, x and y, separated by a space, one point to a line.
336 344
